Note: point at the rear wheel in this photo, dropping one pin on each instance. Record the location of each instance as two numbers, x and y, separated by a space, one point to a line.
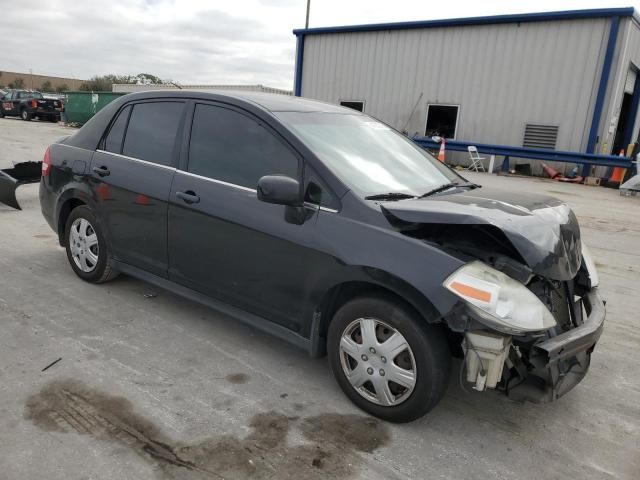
25 115
387 359
86 247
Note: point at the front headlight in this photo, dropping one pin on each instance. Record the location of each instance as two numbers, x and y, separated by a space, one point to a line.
500 301
590 265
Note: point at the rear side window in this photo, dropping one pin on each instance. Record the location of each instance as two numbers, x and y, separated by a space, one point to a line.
152 131
229 146
113 142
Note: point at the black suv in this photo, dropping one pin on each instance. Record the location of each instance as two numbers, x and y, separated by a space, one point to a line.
331 230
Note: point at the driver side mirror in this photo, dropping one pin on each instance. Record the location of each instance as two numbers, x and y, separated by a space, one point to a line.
279 189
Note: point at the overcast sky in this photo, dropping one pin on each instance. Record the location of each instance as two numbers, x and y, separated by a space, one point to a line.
205 41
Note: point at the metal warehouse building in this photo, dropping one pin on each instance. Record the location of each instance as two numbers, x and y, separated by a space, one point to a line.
563 80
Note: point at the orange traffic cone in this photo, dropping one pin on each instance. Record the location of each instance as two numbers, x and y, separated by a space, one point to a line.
618 172
441 152
552 172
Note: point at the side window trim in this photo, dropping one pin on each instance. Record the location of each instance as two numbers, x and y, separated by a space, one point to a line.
184 165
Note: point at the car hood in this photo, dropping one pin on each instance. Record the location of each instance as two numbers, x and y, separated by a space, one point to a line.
542 229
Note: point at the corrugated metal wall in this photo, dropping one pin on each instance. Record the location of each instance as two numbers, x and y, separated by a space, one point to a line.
502 76
627 57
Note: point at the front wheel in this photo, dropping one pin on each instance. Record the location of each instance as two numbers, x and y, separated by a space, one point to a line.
86 247
25 115
387 359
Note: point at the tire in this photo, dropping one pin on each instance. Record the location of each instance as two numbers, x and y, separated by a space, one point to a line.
25 115
77 243
52 119
425 358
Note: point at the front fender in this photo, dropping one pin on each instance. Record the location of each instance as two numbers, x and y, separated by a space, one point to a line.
387 257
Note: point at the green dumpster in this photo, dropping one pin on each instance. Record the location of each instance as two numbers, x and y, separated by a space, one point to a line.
81 106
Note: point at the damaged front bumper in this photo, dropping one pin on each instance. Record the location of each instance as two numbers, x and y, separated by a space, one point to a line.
559 363
12 178
534 369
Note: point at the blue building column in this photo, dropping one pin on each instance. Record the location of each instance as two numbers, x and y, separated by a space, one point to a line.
602 89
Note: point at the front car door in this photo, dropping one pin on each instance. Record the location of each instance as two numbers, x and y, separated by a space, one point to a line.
131 179
226 243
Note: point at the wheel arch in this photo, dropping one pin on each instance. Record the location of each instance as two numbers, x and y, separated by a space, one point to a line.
68 200
374 282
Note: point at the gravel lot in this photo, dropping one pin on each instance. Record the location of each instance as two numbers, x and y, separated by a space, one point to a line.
144 376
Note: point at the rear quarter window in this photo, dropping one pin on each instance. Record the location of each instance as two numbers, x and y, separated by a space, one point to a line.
113 141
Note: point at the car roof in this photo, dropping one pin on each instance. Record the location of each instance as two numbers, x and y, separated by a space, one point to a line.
272 102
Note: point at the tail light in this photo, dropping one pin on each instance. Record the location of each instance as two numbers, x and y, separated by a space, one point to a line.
46 162
34 104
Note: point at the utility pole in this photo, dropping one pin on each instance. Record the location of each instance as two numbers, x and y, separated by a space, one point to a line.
306 23
31 75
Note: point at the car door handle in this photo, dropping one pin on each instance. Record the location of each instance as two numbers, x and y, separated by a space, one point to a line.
188 197
102 171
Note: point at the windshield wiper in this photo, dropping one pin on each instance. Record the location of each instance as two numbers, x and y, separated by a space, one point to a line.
447 186
389 196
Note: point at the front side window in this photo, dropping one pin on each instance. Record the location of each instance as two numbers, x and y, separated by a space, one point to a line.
368 156
113 142
229 146
152 131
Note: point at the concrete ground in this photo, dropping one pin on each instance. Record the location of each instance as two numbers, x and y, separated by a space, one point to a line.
150 385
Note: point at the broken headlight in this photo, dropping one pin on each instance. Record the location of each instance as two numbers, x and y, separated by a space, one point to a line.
590 265
499 301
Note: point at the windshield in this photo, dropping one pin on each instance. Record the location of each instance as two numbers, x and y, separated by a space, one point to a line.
370 157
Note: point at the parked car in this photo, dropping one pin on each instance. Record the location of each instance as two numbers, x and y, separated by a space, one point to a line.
27 104
331 230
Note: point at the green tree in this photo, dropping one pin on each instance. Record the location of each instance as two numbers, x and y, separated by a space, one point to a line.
62 88
46 86
17 83
104 83
147 79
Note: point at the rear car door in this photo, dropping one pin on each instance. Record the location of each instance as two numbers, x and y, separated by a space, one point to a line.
223 241
131 177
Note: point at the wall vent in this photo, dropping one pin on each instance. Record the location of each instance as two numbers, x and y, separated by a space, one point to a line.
540 136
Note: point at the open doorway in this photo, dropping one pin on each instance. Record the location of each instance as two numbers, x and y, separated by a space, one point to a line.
628 111
442 121
625 110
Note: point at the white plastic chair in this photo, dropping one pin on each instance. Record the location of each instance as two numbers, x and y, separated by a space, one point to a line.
476 159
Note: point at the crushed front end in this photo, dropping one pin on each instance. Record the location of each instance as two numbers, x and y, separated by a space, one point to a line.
529 313
538 366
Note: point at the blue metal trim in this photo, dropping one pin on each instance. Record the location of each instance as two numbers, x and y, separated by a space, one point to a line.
486 20
602 88
532 153
297 83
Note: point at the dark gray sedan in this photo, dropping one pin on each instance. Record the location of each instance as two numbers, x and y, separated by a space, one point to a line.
331 230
